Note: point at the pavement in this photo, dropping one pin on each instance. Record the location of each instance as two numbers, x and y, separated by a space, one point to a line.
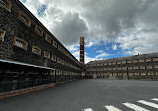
89 95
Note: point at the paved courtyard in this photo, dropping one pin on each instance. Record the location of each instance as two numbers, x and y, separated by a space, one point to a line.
89 95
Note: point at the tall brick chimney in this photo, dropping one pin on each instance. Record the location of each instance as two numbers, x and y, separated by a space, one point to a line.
82 53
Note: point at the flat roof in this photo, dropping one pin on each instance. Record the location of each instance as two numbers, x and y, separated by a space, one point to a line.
25 64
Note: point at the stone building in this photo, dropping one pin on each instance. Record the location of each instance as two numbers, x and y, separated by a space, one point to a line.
143 66
30 54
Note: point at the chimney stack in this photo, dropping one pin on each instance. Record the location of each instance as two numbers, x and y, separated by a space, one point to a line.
82 53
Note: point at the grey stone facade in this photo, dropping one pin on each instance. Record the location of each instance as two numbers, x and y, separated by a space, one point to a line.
133 67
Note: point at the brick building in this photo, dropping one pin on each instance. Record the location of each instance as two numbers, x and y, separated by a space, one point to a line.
30 55
133 67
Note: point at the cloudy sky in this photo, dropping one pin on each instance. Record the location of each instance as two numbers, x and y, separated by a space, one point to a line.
112 28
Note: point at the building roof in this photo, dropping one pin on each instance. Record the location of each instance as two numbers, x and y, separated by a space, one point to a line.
24 64
142 56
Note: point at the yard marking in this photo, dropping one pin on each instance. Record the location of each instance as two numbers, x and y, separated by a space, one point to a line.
88 109
149 104
112 108
135 107
155 99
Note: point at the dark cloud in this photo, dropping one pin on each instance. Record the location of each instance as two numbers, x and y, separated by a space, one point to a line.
69 30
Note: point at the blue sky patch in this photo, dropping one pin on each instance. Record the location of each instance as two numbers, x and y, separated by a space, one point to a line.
41 9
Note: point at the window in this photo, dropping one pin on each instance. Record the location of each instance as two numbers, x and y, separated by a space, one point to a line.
150 73
141 60
48 38
39 30
136 67
24 19
109 63
130 74
2 34
20 43
114 63
142 67
105 63
118 62
114 68
143 74
53 58
123 68
5 4
119 74
55 44
156 73
105 69
135 61
149 67
46 55
119 68
59 60
59 48
129 61
58 72
148 60
155 59
124 74
124 62
36 50
136 74
129 68
156 66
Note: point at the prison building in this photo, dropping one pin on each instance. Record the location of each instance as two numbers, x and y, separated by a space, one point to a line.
143 66
30 55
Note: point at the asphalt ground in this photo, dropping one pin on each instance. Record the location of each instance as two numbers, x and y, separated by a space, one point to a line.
87 95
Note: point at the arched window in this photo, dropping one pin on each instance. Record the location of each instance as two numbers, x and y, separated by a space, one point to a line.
20 43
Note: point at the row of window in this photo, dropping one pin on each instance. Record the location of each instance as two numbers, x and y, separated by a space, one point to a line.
125 74
7 5
124 68
124 62
23 44
60 72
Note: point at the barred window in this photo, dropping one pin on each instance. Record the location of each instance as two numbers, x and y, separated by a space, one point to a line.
39 30
148 59
119 68
20 43
6 4
150 73
135 67
136 74
142 67
155 59
124 62
130 74
141 60
149 67
130 68
2 34
24 19
46 55
123 68
135 61
58 72
55 44
48 38
129 61
36 50
53 58
143 73
156 66
58 60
